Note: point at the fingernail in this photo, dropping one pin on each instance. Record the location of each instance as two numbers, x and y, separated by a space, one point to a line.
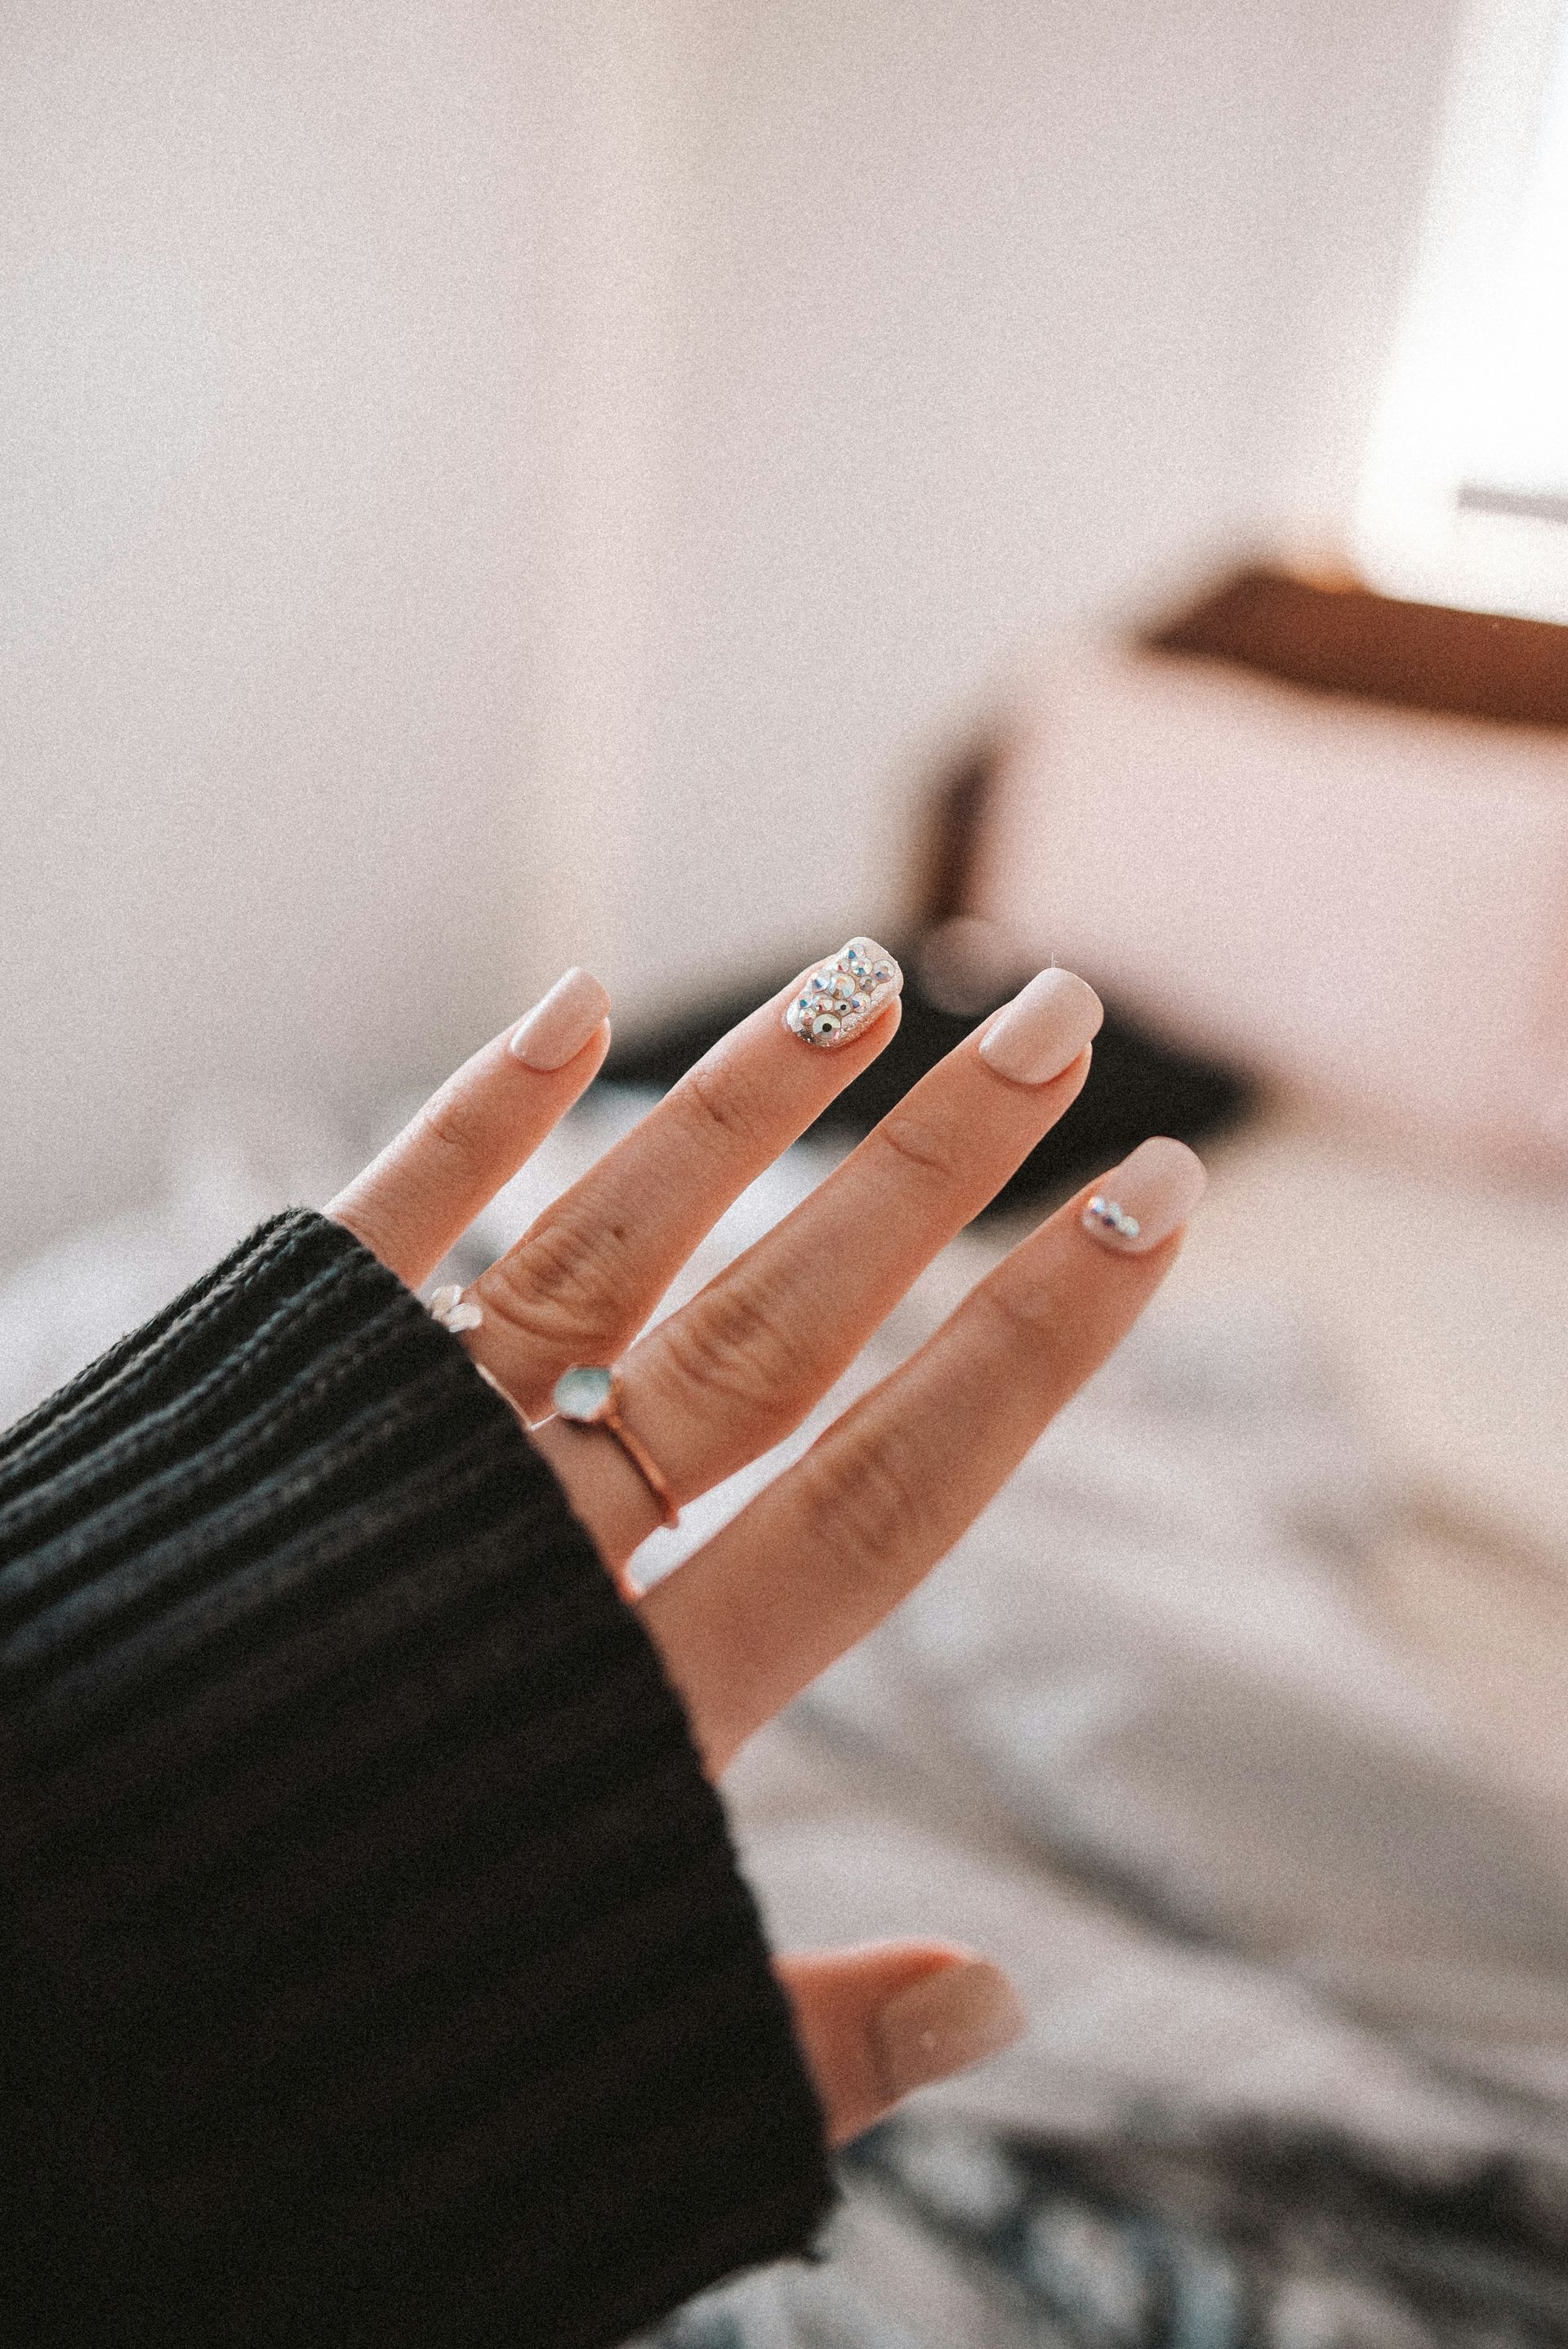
944 2022
1145 1198
844 995
556 1029
1042 1030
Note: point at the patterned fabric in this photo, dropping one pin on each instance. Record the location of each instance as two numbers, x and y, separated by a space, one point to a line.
960 2239
1293 1946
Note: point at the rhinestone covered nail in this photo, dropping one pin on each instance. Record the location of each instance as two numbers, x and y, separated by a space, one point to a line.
844 995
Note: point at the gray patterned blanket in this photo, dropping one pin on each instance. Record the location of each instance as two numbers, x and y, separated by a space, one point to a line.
1293 1946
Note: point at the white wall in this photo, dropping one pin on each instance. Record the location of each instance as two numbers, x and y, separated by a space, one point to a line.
265 389
489 486
995 315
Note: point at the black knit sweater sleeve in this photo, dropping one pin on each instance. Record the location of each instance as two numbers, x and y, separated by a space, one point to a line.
375 1966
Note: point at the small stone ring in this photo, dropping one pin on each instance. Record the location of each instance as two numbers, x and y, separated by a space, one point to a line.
590 1395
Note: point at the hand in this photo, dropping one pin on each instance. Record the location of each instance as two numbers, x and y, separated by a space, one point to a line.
836 1541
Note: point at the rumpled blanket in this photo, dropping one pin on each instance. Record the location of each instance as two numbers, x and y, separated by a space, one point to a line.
1293 1946
1294 1943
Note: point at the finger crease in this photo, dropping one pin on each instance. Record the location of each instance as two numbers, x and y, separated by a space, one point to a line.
719 1113
915 1144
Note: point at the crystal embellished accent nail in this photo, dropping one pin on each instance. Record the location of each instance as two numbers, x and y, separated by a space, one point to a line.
844 995
1145 1198
453 1310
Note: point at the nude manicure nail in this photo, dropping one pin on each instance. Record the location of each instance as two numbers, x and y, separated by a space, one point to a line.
556 1029
944 2022
1147 1197
844 995
1042 1030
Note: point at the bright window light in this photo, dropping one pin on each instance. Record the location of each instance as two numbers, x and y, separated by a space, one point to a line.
1465 498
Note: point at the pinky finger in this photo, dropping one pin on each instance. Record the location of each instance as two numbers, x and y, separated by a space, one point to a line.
876 2022
831 1546
420 1196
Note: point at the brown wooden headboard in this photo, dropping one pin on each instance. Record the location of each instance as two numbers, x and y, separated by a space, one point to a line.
1337 636
1349 639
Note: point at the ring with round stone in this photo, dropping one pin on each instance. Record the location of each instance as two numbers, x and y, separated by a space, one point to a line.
590 1395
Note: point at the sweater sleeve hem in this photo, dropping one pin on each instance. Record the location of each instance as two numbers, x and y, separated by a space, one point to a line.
381 1967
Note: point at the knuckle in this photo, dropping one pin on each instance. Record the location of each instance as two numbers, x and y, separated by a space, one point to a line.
1022 1312
863 1500
919 1143
729 1348
450 1122
1041 1287
561 1291
720 1109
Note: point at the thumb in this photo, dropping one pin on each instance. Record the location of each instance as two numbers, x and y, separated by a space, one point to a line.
876 2022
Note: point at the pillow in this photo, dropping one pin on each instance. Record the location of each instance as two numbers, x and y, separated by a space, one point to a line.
1367 904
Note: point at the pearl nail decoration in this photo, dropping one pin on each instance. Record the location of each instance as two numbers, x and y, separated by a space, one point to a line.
844 995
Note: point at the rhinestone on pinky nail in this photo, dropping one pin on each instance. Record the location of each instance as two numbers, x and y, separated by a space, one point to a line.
844 995
1111 1219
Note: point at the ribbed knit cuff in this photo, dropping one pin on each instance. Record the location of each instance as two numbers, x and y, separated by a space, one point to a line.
378 1967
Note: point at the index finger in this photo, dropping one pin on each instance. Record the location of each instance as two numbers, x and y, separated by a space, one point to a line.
419 1197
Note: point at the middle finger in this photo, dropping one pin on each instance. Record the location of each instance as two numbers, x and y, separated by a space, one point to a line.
735 1371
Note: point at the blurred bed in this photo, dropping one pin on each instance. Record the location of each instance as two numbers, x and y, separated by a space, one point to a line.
1236 1727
